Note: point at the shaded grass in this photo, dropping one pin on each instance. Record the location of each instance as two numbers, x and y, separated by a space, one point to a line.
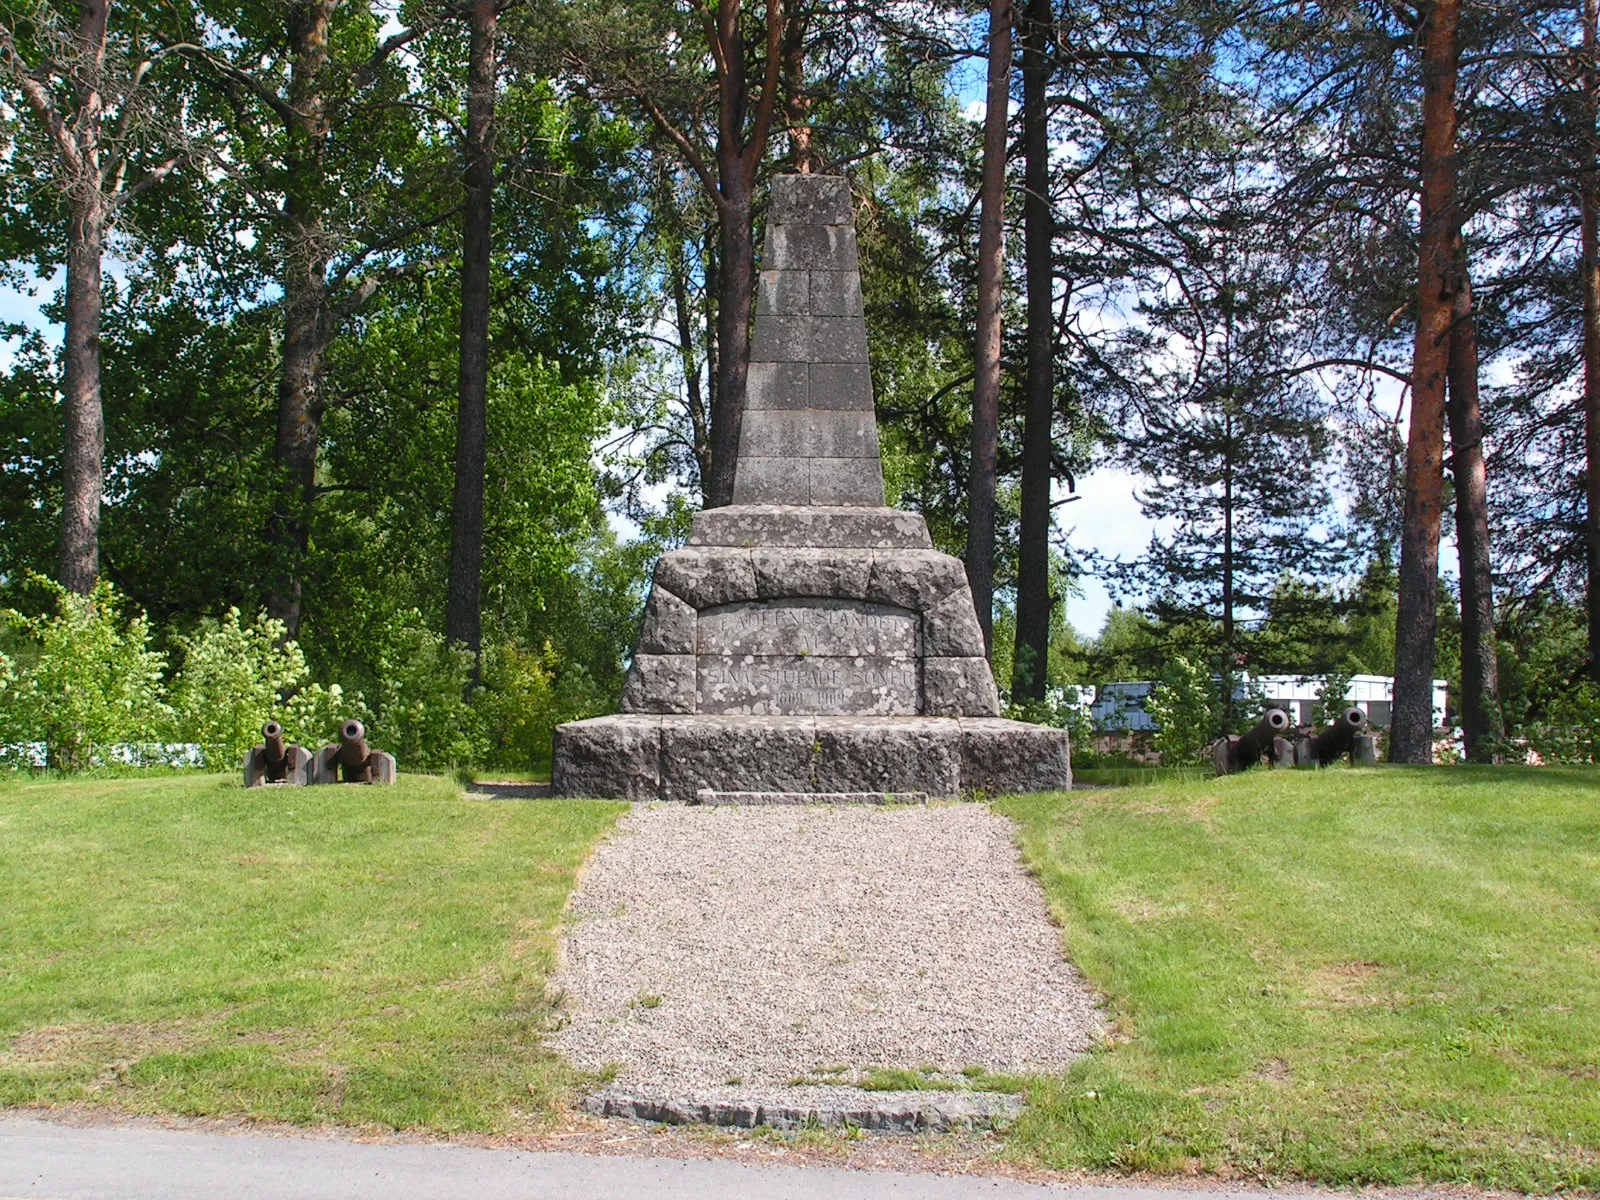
498 775
1129 775
353 954
1375 976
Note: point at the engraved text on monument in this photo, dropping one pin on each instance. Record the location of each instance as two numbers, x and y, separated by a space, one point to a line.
808 656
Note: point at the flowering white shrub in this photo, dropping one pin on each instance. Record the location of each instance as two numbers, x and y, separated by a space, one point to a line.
86 680
230 683
1182 706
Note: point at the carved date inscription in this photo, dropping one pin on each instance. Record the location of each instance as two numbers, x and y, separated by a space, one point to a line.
827 657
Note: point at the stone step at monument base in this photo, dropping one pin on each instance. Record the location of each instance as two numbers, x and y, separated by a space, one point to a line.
644 756
707 796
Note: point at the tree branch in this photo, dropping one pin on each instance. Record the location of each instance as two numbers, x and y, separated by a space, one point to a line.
152 177
42 105
691 155
368 285
280 107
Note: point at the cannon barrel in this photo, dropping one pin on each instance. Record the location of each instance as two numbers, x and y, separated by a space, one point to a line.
272 746
1251 746
353 745
1335 740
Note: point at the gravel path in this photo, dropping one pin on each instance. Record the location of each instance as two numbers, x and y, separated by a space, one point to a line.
725 951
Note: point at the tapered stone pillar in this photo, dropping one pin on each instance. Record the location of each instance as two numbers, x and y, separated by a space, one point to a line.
809 643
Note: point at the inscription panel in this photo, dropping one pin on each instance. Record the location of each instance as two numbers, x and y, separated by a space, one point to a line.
825 657
837 628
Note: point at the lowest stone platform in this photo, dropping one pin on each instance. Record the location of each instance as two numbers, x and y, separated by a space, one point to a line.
638 756
808 640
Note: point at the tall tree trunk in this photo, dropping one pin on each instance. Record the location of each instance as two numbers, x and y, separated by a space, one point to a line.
1480 670
713 363
738 160
1589 218
307 317
1230 655
1411 736
463 609
1031 655
299 426
796 100
83 444
991 266
744 123
736 268
93 172
699 422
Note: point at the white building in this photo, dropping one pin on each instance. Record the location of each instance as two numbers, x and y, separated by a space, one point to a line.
1121 705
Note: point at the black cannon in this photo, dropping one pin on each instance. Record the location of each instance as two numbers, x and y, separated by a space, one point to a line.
1332 742
275 761
351 760
275 752
355 759
1240 752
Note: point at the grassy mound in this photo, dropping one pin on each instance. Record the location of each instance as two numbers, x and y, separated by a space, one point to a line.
1378 976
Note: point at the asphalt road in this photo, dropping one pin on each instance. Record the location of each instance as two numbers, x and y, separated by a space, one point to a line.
60 1162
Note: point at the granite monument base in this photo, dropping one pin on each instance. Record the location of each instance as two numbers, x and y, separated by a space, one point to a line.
646 756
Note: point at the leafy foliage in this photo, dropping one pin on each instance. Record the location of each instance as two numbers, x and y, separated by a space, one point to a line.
1333 697
1571 734
231 681
524 697
423 716
86 679
1183 705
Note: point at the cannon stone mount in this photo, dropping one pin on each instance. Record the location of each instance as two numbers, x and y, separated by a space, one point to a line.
351 760
275 762
808 643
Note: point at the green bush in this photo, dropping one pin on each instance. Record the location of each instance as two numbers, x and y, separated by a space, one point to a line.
1572 734
1333 697
423 717
312 715
525 695
86 679
1062 708
232 680
516 705
1182 706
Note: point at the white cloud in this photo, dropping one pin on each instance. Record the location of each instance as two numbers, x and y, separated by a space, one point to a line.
1107 520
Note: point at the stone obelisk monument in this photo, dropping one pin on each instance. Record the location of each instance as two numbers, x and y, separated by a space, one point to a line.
808 643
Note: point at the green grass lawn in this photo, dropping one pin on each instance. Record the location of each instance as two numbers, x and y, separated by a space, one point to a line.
1354 976
1369 976
351 954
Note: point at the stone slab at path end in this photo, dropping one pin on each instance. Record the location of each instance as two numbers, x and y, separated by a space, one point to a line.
808 639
